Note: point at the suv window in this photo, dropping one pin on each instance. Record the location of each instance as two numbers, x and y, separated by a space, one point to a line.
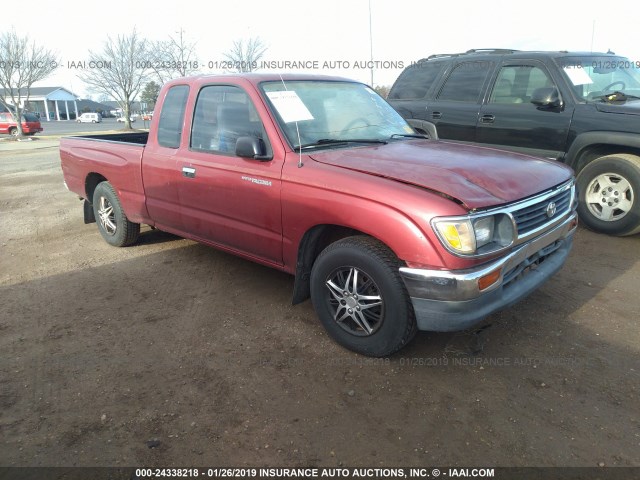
415 81
222 115
172 116
465 82
516 83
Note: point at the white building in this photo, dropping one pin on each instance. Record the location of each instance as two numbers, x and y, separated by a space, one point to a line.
51 103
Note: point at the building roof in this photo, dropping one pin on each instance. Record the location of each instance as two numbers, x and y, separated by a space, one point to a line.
50 93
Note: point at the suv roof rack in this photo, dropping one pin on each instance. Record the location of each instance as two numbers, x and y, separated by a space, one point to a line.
473 50
491 50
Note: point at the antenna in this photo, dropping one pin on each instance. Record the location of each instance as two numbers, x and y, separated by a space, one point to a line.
300 164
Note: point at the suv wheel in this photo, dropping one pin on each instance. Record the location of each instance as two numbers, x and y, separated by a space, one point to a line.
609 194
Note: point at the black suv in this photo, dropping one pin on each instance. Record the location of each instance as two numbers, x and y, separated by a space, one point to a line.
579 108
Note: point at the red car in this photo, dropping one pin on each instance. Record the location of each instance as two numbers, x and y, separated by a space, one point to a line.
30 124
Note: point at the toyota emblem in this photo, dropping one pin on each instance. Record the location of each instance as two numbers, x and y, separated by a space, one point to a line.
551 209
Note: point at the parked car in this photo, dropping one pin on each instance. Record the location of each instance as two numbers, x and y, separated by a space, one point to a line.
89 118
147 116
122 119
30 124
579 108
319 177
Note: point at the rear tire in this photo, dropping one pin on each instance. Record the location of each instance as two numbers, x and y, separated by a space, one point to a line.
360 298
113 224
609 194
13 131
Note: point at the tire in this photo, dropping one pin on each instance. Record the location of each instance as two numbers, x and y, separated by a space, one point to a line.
13 131
113 224
388 321
609 194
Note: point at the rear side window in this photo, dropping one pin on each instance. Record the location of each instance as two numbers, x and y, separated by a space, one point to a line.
465 82
172 116
30 117
415 81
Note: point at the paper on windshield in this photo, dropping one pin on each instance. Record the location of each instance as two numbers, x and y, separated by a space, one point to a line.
577 75
289 106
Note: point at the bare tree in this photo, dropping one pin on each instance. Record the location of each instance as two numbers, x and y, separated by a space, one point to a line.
22 63
244 57
124 68
173 58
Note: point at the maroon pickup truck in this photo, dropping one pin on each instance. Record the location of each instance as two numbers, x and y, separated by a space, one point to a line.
387 232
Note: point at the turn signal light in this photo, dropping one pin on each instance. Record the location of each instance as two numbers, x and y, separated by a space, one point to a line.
489 279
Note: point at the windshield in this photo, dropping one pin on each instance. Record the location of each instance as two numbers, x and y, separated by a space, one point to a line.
592 77
313 112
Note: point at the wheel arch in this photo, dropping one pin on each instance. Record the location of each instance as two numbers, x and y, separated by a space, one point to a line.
314 241
91 182
318 237
592 145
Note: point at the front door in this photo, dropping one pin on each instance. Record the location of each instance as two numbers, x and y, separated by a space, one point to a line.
224 199
510 120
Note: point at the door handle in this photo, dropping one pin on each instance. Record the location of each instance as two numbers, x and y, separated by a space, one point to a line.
436 115
487 118
188 172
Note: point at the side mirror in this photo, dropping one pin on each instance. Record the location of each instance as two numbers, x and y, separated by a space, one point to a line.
547 97
252 147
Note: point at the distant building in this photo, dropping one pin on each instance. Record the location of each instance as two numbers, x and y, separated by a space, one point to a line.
94 107
51 103
116 107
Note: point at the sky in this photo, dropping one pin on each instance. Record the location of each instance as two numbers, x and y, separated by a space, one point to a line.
329 35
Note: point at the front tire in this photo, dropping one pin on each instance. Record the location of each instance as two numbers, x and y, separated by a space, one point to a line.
360 298
609 194
113 224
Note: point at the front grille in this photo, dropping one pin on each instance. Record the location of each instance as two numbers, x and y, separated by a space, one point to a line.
531 263
534 216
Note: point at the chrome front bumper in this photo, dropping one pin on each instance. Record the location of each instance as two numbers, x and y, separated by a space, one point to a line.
453 300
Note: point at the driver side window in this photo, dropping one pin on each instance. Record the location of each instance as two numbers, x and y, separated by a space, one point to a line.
516 83
222 115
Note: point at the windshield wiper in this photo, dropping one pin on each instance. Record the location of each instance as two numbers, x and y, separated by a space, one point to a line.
336 141
616 96
407 135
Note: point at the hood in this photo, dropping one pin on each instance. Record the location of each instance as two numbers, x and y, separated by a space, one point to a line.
629 107
476 176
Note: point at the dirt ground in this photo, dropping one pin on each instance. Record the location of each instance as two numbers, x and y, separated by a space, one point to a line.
170 353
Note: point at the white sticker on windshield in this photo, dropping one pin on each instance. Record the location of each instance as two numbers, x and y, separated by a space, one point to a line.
577 75
289 106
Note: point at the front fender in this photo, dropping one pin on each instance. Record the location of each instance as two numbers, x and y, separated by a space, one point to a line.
588 139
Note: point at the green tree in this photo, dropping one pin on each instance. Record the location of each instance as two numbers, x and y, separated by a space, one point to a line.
150 94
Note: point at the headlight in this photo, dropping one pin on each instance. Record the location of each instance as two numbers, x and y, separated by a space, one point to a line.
479 235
